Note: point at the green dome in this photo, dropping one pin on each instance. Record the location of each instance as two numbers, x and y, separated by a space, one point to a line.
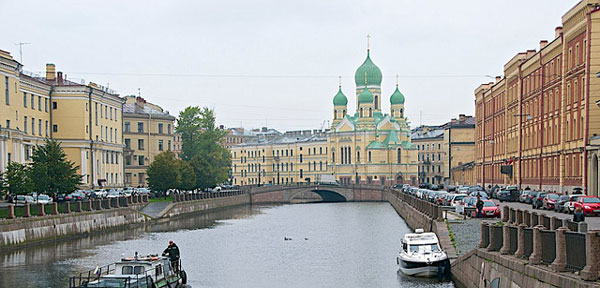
397 97
373 74
365 96
340 99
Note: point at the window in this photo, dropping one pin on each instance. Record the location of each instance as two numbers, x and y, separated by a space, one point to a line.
54 128
45 105
300 158
32 102
127 126
128 160
160 128
25 99
399 156
140 144
96 111
110 113
369 156
25 124
111 134
168 128
160 145
40 127
141 160
128 143
105 111
140 127
169 145
39 103
6 96
54 105
46 128
7 124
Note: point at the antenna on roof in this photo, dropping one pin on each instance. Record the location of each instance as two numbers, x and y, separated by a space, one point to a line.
21 44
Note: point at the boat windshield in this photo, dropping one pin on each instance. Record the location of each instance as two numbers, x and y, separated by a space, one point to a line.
129 270
424 248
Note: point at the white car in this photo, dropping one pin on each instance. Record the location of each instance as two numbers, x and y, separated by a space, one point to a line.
23 199
100 193
128 191
455 199
113 194
43 199
142 191
568 207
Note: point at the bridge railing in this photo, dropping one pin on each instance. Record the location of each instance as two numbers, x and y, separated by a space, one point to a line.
193 196
561 249
432 210
271 188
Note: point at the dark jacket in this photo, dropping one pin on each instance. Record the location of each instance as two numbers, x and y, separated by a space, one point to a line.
578 216
173 252
479 205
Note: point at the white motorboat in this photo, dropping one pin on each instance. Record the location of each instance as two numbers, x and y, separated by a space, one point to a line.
134 272
421 254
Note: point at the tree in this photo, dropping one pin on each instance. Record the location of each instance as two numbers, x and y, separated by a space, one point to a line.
51 172
188 125
187 174
163 172
16 179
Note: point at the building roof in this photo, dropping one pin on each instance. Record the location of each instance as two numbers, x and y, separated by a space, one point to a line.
340 99
135 109
430 132
284 139
397 97
365 96
368 70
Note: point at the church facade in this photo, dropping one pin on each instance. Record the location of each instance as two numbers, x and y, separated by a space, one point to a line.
370 146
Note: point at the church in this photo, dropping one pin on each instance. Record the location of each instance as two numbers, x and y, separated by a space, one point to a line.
369 146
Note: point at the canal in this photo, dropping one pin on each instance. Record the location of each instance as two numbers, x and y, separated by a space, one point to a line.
333 245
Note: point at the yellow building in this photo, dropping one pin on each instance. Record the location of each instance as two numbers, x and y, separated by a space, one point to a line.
147 131
295 157
86 119
430 143
370 146
459 145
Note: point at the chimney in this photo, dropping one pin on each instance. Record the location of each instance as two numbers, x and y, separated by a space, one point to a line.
543 44
530 53
50 69
59 77
498 78
557 31
462 117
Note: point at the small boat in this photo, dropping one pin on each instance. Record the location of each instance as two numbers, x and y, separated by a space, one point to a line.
421 254
151 271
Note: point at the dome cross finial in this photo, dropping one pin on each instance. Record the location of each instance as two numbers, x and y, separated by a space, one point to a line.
368 42
396 80
340 81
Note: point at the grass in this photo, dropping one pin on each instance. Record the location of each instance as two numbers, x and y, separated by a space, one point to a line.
452 238
161 199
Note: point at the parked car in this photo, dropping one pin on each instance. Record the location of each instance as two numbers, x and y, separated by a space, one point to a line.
490 209
100 193
43 199
559 205
538 201
524 196
128 191
113 193
589 204
60 198
439 197
23 199
469 201
549 201
509 194
142 191
78 195
455 199
530 196
481 194
569 206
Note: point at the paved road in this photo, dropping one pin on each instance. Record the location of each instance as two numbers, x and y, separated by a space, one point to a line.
593 221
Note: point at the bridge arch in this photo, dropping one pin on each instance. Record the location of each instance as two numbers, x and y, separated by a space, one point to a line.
327 194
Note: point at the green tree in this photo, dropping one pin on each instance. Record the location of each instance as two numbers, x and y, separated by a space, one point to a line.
188 176
16 179
51 172
163 173
188 126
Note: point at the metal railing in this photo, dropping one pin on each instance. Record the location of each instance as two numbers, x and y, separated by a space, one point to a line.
514 239
548 246
181 197
527 242
576 250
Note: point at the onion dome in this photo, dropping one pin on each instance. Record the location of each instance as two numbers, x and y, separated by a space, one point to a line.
371 70
397 97
365 96
340 99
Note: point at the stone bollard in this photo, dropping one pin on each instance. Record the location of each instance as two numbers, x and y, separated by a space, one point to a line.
68 205
145 197
555 223
526 218
79 206
591 271
27 210
519 216
506 214
520 241
582 227
129 200
534 219
100 204
560 262
491 234
55 208
117 204
536 255
11 211
175 198
505 240
42 212
90 205
541 221
440 214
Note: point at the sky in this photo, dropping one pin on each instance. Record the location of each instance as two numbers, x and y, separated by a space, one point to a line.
276 63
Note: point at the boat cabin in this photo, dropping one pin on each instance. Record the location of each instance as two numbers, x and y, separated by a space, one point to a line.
420 242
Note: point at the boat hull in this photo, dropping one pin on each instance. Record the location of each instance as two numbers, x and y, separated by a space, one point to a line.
420 269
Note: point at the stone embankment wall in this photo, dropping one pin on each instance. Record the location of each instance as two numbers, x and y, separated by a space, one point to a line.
24 231
180 208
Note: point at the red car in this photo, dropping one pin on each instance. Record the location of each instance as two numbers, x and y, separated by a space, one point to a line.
490 209
589 204
549 200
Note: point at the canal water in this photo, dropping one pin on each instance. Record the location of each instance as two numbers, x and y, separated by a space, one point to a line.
333 245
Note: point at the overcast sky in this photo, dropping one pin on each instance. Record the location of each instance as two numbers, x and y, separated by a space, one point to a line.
276 63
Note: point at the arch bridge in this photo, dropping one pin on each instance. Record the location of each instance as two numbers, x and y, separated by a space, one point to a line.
327 193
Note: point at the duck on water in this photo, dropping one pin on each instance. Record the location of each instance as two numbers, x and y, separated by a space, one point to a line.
421 255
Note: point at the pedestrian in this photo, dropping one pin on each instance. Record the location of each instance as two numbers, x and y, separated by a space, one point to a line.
578 215
173 252
479 206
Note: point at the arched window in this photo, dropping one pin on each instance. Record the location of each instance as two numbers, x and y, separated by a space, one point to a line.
361 112
357 154
349 155
369 156
399 156
375 104
333 157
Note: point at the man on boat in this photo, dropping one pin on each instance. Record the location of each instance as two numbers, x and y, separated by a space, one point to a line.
173 252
